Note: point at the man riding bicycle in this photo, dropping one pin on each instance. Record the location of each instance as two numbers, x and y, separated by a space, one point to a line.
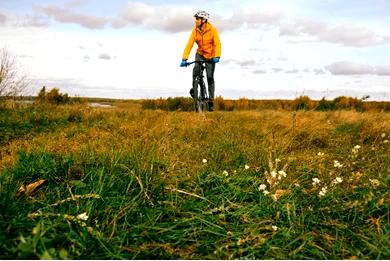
209 49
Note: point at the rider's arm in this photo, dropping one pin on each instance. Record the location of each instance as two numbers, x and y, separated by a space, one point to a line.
217 44
189 45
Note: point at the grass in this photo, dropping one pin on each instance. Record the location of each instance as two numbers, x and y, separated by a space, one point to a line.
142 180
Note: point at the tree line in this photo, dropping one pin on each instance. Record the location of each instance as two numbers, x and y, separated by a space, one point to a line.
300 103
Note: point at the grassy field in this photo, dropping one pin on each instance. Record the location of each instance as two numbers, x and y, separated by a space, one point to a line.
127 183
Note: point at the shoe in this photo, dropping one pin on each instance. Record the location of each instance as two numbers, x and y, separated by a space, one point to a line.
192 93
211 106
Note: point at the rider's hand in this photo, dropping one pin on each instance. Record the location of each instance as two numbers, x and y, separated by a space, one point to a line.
216 60
183 63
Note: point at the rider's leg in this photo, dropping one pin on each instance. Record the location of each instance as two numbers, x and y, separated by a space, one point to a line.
195 73
210 68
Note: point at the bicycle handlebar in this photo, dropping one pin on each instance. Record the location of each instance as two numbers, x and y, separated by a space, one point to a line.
189 63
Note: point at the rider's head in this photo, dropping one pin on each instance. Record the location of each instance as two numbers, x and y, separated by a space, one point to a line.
201 17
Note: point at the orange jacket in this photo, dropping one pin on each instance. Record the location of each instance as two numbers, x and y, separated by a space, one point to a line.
208 42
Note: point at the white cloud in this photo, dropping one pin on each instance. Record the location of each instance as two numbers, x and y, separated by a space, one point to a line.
343 34
293 71
3 18
351 68
66 15
382 70
164 18
104 56
242 62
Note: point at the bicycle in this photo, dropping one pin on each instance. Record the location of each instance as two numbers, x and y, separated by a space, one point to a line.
201 98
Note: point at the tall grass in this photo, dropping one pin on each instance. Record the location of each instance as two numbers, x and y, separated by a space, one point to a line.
127 183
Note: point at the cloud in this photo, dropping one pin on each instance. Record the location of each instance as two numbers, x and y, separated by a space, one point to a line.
34 20
178 19
382 70
165 18
76 3
104 56
318 71
259 71
343 34
251 17
293 71
3 18
66 15
351 68
242 63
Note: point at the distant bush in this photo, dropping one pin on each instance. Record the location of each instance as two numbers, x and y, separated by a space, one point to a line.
302 103
325 105
53 96
347 103
169 104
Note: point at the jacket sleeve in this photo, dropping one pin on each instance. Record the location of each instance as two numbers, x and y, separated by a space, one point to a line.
217 44
189 45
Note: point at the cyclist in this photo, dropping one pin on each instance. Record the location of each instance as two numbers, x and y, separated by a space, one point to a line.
209 49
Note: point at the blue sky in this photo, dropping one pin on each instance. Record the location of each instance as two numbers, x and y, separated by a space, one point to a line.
270 49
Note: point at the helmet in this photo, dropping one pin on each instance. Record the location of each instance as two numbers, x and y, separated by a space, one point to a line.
202 14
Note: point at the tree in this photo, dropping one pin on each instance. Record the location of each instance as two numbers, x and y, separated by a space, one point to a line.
12 82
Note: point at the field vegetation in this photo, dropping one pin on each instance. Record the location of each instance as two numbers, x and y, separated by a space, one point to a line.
128 183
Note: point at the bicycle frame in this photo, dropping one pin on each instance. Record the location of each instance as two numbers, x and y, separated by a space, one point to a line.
201 97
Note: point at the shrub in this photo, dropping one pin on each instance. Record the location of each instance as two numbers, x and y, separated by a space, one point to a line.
53 96
325 105
302 103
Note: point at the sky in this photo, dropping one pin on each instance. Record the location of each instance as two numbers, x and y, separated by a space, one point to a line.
279 49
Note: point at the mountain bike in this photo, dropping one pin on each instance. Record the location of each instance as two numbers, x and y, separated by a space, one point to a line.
200 96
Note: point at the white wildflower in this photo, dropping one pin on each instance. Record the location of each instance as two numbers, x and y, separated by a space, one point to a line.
246 166
337 180
262 187
355 149
315 181
83 216
320 154
375 183
337 164
275 228
265 192
282 173
323 191
383 135
386 141
225 173
274 174
277 160
204 161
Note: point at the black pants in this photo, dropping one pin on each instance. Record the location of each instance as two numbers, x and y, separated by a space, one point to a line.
210 68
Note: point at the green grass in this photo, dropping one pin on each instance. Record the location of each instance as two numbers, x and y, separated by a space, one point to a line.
140 178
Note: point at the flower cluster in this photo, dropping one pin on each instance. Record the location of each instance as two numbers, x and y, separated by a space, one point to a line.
316 181
337 180
323 191
263 188
275 175
356 149
337 164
